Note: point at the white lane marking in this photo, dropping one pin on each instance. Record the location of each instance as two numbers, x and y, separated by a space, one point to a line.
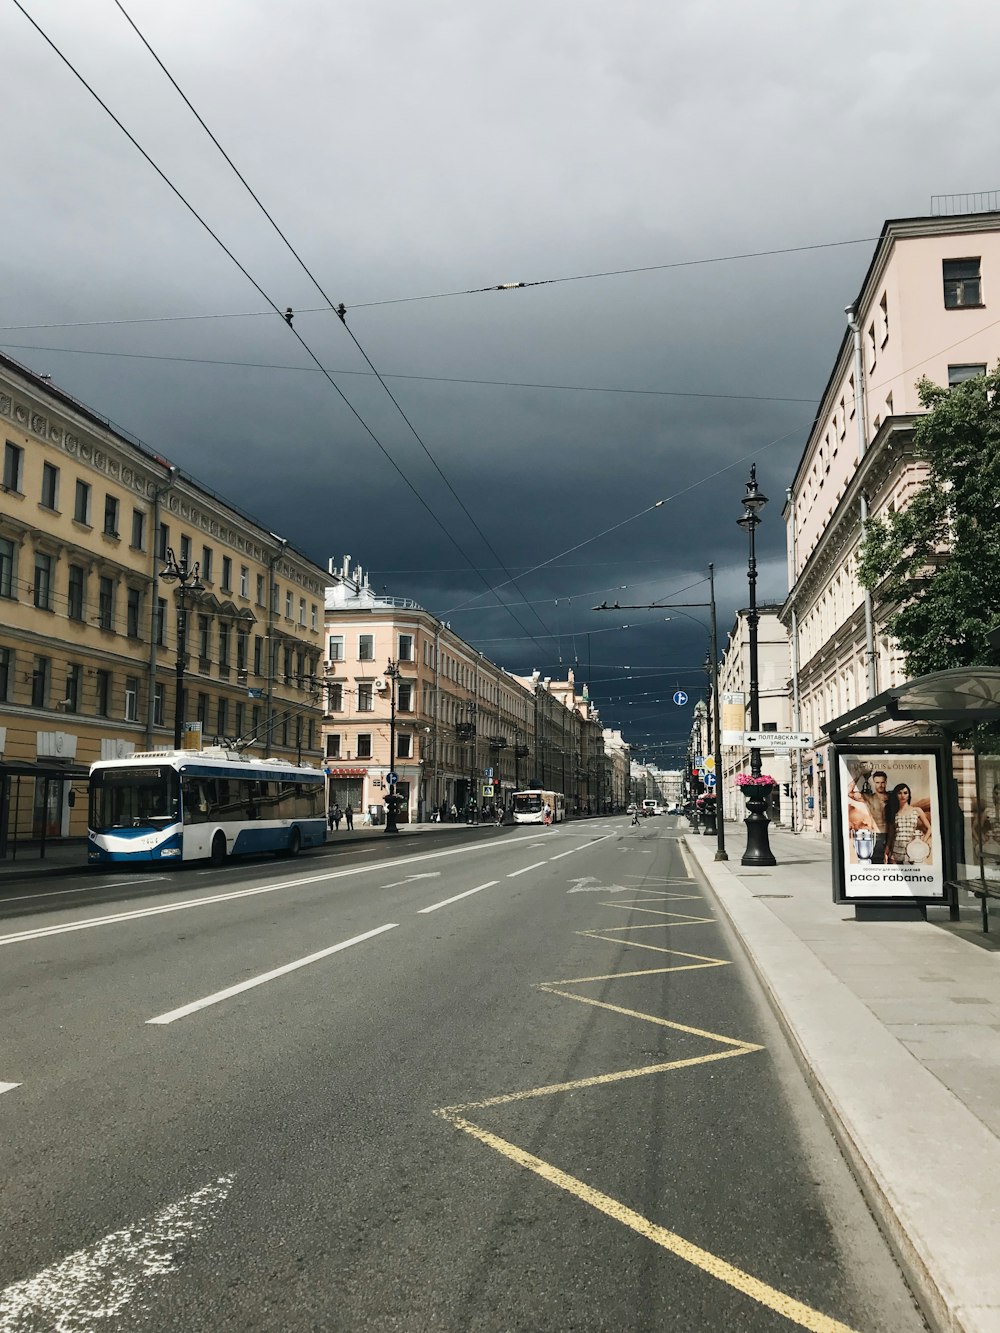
514 873
590 885
685 857
466 894
93 1285
428 874
85 888
138 913
573 850
220 995
8 1087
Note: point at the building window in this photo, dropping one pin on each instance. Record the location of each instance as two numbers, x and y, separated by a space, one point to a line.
50 485
186 551
288 666
133 612
202 716
206 564
335 698
244 581
160 624
43 581
159 704
260 590
103 687
131 698
404 697
289 605
40 681
335 648
284 732
110 516
223 648
366 647
962 284
314 616
240 723
364 745
406 647
74 677
162 540
958 374
138 530
258 654
365 698
7 556
81 504
76 596
404 745
204 642
6 664
333 747
106 603
302 612
883 306
222 717
227 574
13 467
242 642
255 721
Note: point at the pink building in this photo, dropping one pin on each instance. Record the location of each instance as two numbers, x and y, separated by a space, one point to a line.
928 306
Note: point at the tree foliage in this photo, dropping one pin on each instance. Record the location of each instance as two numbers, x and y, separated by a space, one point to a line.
939 557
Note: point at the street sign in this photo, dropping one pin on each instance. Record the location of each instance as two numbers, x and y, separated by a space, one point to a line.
709 780
392 779
699 761
488 772
680 697
788 739
487 788
710 762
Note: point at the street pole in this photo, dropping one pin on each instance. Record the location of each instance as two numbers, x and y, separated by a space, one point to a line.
720 815
391 672
187 579
758 851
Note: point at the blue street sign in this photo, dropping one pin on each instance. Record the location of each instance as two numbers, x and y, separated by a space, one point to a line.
392 779
709 780
699 761
488 772
680 697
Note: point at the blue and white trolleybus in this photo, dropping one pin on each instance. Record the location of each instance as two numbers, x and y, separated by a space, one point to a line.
185 805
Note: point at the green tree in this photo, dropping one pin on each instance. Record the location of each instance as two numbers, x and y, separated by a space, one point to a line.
939 558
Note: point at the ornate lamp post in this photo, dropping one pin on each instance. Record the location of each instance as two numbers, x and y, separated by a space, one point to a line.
187 580
391 675
758 851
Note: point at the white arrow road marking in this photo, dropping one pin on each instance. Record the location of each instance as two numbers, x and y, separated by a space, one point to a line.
429 874
93 1285
590 885
7 1087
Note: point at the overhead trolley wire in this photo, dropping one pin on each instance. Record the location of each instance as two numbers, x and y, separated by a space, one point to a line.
305 346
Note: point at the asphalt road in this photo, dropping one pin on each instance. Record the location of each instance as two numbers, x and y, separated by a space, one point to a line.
494 1080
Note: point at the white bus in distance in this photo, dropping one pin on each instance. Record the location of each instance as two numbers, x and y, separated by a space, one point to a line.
186 805
652 807
529 806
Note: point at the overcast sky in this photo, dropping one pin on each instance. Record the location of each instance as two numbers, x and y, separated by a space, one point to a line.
418 150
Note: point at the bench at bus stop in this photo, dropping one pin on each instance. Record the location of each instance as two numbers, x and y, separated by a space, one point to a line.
983 889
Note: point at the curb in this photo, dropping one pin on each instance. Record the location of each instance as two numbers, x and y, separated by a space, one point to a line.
929 1169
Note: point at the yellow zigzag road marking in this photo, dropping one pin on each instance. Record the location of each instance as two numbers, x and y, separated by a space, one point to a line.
794 1311
656 948
681 918
744 1046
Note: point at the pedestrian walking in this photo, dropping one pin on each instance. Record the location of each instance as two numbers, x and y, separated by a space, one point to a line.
336 815
454 812
349 816
546 813
635 815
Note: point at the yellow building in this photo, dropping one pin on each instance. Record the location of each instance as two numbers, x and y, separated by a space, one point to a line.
89 660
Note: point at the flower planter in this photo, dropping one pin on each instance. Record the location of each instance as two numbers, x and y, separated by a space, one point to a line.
758 852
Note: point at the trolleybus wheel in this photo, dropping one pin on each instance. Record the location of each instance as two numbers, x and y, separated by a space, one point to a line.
294 843
219 849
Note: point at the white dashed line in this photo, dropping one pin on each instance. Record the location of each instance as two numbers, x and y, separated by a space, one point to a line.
467 894
8 1087
514 873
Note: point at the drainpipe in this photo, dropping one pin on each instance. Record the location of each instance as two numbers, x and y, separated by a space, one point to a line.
158 494
860 414
272 611
796 695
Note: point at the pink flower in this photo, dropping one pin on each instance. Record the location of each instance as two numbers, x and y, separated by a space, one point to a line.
748 780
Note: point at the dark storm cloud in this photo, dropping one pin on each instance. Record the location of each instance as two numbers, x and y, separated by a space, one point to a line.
412 151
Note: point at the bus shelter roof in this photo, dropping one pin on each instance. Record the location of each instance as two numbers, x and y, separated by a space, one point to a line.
952 700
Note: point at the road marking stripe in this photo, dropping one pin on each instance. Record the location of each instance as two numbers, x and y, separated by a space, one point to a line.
744 1046
655 948
514 873
87 1289
186 1009
586 847
85 888
140 912
797 1312
468 893
8 1087
677 918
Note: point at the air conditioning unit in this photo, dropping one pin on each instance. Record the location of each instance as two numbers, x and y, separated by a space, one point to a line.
327 665
379 684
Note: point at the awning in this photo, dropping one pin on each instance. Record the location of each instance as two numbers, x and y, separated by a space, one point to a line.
952 700
346 772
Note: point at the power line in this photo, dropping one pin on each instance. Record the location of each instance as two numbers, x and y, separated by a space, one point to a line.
312 356
429 379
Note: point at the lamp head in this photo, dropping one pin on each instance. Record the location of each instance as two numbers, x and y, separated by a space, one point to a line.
755 499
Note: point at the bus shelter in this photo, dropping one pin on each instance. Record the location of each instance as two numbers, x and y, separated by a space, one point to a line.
35 799
912 812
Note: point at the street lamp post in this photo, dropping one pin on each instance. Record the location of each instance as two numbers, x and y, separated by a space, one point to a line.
187 579
758 851
391 675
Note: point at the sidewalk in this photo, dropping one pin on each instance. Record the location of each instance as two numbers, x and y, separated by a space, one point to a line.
897 1026
69 856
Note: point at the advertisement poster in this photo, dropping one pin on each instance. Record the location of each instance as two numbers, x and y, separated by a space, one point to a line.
982 832
732 717
891 826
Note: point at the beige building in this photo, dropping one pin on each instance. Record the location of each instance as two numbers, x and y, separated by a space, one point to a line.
925 308
89 640
466 730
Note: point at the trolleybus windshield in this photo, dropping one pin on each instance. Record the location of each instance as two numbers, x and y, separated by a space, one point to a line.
527 803
133 798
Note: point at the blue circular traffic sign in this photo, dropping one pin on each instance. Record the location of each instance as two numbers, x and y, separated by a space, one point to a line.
680 697
392 779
